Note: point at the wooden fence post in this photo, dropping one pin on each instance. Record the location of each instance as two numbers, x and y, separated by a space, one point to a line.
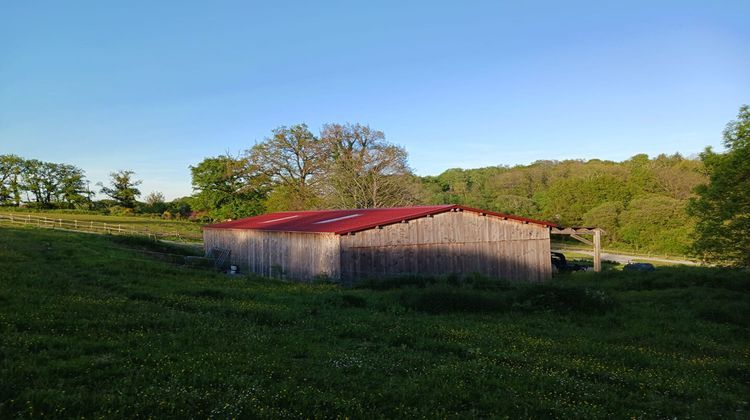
597 250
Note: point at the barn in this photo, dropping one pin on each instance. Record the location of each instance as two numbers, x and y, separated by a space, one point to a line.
354 244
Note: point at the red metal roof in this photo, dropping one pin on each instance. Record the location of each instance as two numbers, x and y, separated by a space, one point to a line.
348 221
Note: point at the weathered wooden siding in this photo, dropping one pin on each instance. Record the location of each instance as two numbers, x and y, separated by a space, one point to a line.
299 256
453 242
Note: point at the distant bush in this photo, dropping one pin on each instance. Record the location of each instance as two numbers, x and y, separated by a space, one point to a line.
121 211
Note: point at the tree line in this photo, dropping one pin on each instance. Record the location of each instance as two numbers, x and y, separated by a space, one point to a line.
664 204
641 202
36 184
42 184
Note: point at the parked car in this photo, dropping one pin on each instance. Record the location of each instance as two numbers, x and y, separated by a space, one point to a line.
639 267
561 264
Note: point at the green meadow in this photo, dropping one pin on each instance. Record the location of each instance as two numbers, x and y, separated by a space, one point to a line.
181 230
95 326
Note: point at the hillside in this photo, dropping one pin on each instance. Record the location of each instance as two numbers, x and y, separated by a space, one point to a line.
640 202
90 326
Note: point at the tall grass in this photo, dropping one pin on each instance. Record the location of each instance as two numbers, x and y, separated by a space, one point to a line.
95 327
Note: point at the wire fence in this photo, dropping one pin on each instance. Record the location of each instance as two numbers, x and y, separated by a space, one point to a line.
91 226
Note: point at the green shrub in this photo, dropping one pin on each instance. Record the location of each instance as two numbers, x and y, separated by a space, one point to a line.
121 211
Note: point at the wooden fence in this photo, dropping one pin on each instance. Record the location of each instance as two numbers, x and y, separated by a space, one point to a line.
91 226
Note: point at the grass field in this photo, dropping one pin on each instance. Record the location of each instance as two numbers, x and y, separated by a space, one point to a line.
171 229
92 326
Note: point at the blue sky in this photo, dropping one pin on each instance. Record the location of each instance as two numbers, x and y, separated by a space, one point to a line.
157 86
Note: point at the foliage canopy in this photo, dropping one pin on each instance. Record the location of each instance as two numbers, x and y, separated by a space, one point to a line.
123 188
723 204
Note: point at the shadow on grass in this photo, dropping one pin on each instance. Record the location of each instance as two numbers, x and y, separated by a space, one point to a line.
479 294
522 298
589 293
667 278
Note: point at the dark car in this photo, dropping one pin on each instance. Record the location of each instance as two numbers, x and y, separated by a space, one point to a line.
639 267
562 265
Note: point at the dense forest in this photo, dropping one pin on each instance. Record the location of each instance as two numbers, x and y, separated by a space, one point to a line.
640 202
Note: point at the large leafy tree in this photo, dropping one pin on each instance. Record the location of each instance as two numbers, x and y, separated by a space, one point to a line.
365 170
295 160
723 205
11 167
42 181
123 188
72 191
46 184
229 187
